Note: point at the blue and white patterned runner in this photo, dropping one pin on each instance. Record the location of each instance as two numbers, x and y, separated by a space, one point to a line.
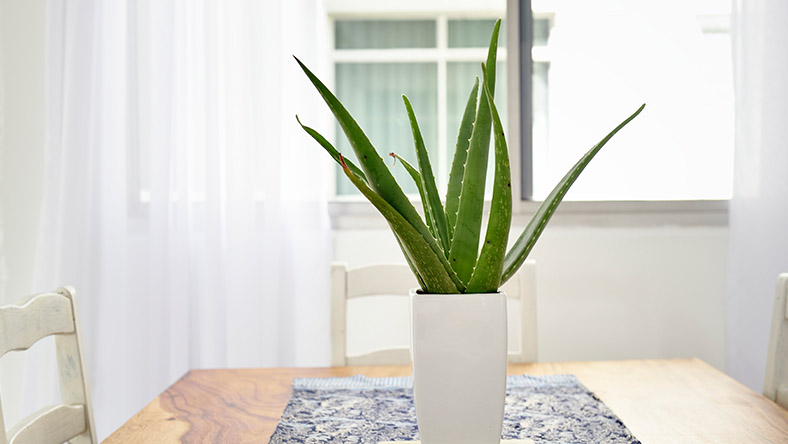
360 410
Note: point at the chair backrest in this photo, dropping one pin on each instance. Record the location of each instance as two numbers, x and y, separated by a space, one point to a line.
775 385
376 280
21 326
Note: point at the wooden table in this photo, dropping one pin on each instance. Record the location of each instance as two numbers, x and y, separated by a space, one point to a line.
661 401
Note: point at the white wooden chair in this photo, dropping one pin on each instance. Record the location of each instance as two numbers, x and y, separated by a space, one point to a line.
775 385
21 326
376 280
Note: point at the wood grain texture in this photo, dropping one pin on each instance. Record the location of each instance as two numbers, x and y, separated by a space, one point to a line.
661 401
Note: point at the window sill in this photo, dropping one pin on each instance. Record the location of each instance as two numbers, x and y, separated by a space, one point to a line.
355 213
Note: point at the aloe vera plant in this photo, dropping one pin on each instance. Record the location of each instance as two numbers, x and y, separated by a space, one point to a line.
442 249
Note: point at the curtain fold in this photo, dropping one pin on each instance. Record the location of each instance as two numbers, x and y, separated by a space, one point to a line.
182 200
758 249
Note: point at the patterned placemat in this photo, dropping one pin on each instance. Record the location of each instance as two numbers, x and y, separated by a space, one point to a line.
360 410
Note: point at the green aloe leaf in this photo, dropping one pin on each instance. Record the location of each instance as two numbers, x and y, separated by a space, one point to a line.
465 242
516 256
421 256
434 205
379 178
378 175
460 155
414 174
486 276
331 150
412 267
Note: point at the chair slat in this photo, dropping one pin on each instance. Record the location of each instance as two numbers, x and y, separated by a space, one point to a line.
338 313
379 280
775 385
512 287
39 317
50 425
522 286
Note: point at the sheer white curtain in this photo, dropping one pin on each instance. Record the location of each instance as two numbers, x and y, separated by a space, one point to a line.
182 200
759 208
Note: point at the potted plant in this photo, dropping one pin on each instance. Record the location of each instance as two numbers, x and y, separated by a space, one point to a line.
458 316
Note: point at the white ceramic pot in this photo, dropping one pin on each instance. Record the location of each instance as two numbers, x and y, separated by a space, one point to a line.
458 346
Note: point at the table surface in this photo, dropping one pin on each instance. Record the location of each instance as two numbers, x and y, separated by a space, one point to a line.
661 401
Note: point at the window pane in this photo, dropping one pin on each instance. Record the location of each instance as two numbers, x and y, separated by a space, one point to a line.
605 60
540 114
460 78
541 31
372 93
474 33
384 34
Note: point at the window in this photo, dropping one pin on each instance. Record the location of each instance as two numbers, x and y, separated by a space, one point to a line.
607 57
593 63
431 60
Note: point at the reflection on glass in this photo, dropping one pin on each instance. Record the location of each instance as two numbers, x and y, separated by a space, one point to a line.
474 33
384 34
540 113
541 31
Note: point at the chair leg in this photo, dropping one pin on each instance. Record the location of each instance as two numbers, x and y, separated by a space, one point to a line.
781 397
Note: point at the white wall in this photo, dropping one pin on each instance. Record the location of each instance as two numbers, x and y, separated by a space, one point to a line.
610 292
22 124
759 215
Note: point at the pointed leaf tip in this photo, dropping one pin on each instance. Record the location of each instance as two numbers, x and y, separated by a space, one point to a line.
523 245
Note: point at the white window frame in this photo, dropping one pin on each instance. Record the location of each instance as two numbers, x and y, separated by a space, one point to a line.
441 54
353 212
